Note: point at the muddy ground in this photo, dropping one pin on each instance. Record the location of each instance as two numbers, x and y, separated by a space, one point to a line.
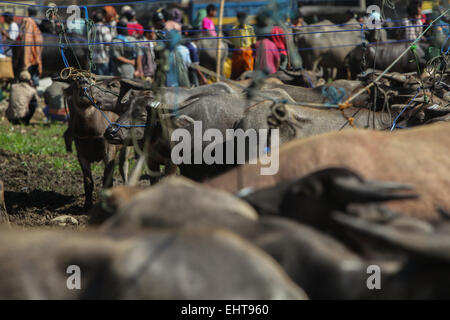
36 193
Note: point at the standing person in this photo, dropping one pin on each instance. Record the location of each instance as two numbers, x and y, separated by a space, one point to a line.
413 23
22 101
242 59
170 23
148 65
176 15
201 14
297 21
192 47
135 29
267 55
32 53
123 12
207 22
161 22
101 51
51 24
178 61
123 54
192 51
280 41
111 18
11 34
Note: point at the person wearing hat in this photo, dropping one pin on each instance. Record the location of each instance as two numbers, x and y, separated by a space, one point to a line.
22 100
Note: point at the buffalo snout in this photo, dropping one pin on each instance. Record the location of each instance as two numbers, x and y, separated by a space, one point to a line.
113 134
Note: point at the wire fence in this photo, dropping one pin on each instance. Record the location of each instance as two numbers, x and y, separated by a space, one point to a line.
229 37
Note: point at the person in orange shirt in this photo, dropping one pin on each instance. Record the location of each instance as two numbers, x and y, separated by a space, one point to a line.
31 38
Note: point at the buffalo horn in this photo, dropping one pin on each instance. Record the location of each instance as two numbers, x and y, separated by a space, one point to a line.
350 189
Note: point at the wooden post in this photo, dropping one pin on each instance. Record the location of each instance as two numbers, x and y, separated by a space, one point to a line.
4 219
219 42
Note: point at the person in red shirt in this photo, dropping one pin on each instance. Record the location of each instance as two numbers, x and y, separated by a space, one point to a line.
267 55
279 39
134 27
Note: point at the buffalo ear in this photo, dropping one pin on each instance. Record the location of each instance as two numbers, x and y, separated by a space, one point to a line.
67 92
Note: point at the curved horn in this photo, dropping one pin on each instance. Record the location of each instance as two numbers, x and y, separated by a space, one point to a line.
135 84
59 79
351 189
423 244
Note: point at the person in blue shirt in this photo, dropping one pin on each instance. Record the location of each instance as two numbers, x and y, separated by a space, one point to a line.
193 55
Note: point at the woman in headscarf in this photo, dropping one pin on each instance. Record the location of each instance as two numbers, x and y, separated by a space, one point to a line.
280 41
201 14
176 15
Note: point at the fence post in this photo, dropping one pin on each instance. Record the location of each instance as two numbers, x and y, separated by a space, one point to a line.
219 42
4 219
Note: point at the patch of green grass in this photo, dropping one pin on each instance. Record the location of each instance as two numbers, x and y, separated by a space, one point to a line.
39 139
43 140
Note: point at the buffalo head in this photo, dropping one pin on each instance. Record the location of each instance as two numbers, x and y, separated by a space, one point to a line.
313 198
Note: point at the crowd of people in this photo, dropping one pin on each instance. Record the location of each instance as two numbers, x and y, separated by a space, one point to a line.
129 48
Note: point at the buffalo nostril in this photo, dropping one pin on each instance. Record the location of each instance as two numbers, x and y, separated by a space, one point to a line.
109 133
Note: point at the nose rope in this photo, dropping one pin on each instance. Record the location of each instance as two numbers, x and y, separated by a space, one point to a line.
114 125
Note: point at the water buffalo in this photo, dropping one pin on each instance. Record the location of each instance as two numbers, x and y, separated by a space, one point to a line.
312 198
381 56
424 275
54 95
302 78
52 61
207 49
169 264
300 122
330 44
308 256
320 94
212 109
86 126
415 156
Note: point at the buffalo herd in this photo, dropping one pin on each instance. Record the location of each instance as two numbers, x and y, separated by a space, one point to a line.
357 208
